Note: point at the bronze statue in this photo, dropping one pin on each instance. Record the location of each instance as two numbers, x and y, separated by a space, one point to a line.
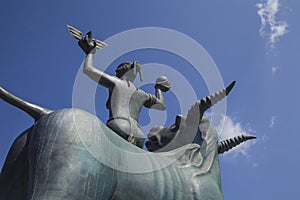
50 161
71 154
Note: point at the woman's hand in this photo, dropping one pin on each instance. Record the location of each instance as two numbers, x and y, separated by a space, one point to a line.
87 44
163 84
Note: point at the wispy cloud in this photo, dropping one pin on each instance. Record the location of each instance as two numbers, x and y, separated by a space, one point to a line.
274 70
272 121
231 128
269 26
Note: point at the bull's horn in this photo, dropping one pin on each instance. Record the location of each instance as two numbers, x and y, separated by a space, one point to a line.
33 110
209 101
228 144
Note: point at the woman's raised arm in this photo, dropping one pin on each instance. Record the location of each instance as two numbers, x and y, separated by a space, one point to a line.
96 74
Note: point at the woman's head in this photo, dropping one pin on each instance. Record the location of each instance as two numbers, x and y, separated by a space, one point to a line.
128 70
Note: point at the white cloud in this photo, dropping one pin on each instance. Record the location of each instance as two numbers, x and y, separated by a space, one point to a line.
272 121
274 70
269 26
229 129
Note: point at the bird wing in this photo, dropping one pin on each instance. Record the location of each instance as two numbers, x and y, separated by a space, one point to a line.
75 32
78 35
100 44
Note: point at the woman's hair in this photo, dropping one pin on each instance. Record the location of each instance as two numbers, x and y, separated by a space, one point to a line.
123 68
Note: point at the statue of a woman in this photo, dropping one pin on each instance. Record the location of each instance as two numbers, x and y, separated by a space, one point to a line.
125 99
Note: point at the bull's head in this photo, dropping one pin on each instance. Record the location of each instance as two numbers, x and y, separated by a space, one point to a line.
184 131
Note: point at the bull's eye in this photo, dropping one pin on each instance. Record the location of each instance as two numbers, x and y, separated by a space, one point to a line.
153 139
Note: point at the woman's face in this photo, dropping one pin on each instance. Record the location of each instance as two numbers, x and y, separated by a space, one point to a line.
130 75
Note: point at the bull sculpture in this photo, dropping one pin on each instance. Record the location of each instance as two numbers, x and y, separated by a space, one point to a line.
71 154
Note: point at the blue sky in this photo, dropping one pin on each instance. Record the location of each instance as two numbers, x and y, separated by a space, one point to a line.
255 43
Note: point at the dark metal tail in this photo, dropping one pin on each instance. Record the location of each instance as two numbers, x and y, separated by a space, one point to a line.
228 144
33 110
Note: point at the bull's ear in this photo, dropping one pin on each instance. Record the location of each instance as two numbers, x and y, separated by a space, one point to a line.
176 125
178 120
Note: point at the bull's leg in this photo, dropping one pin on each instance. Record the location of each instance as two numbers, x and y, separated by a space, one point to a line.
14 174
